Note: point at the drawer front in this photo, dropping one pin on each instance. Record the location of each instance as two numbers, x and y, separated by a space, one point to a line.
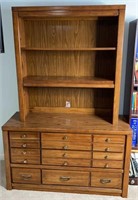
66 162
65 154
21 175
25 156
108 147
66 145
108 156
56 177
25 143
109 139
68 137
106 180
107 164
24 135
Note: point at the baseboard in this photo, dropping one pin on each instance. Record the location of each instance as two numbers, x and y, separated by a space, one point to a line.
1 157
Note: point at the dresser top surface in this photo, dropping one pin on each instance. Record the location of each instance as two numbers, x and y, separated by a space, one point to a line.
59 122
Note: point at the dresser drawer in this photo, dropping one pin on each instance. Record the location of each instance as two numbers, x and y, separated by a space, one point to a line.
25 143
56 177
28 156
68 137
108 156
66 162
22 175
65 154
107 164
108 147
66 145
106 180
24 135
109 139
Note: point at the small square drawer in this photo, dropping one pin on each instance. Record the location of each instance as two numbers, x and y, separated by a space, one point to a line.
108 156
28 156
22 175
108 147
56 177
24 135
109 139
106 180
107 164
25 143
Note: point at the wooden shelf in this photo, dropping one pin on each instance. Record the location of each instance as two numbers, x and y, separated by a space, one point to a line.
69 49
78 82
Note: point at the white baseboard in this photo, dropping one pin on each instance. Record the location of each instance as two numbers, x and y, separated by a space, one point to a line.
1 157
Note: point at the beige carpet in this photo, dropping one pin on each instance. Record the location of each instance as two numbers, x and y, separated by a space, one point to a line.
33 195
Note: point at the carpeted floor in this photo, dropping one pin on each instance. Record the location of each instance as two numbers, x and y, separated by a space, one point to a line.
33 195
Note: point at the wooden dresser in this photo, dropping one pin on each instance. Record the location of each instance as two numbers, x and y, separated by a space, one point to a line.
67 135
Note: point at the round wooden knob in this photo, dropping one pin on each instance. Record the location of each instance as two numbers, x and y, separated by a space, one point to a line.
23 136
24 145
64 155
25 161
107 140
65 147
65 137
65 163
106 157
24 152
107 149
106 166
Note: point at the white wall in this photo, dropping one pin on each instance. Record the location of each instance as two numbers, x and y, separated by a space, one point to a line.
8 84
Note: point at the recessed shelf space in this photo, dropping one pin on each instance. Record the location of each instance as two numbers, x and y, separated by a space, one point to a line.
78 82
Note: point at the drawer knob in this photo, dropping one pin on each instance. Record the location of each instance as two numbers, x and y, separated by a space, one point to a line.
106 166
107 140
65 137
23 136
24 152
64 155
107 149
24 145
65 163
65 147
64 178
26 176
104 181
25 161
106 157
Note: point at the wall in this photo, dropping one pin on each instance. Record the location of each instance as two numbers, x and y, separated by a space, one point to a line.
8 83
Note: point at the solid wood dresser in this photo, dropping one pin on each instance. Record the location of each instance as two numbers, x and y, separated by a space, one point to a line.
56 152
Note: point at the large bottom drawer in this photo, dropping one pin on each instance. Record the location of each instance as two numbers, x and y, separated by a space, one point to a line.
106 180
56 177
22 175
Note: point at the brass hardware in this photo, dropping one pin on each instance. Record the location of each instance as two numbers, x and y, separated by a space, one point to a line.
106 166
24 152
64 154
23 136
64 178
65 147
107 140
104 181
24 145
26 176
65 163
25 161
65 137
107 149
106 157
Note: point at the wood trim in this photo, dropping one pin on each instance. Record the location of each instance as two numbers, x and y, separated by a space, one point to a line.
118 66
19 67
7 160
126 166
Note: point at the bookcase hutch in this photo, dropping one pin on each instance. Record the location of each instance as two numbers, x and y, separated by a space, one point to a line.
67 135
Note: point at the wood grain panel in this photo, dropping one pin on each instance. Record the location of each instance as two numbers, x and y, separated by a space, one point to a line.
108 156
108 147
60 63
58 33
